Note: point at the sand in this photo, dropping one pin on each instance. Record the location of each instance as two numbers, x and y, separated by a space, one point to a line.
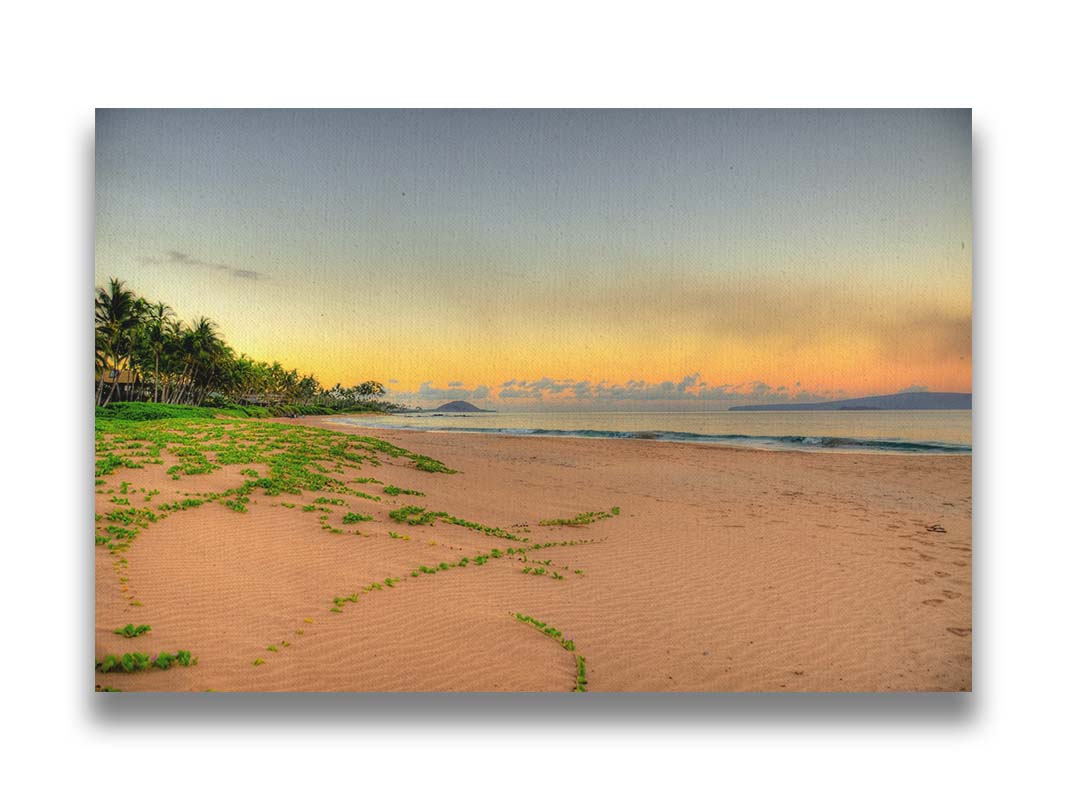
724 570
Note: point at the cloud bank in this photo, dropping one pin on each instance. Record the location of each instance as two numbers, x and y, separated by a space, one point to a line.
180 259
690 392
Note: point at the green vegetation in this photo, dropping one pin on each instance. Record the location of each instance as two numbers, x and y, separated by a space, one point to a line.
142 412
142 662
396 490
541 571
132 631
289 460
150 366
580 680
486 529
585 518
109 463
581 683
182 505
312 466
417 515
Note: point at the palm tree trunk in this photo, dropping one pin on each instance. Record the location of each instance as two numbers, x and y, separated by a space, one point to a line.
181 385
114 383
111 392
100 388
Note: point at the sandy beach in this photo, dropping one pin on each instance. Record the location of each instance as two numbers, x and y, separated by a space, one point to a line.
722 570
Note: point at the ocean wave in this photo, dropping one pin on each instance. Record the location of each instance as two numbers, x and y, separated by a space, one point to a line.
732 439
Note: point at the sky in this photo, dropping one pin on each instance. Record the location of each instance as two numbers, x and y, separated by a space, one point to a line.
557 259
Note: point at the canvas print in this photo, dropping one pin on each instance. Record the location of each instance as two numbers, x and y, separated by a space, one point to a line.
532 400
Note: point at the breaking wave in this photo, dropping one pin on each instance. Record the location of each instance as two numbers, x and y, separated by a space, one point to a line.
734 440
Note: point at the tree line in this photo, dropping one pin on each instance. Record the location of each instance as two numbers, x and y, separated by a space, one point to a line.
145 353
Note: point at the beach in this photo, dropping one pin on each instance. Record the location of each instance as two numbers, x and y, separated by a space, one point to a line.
702 568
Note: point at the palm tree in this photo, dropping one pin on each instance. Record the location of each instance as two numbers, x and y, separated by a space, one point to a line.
201 348
172 361
158 321
118 313
191 363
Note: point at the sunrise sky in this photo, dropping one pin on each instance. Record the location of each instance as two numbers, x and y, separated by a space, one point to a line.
660 259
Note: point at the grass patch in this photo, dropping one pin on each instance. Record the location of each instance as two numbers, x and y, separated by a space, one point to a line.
393 491
142 662
416 515
585 518
580 680
132 631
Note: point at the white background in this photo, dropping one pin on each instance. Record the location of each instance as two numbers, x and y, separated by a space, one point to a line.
60 61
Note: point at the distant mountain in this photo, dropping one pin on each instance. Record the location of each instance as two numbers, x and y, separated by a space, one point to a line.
461 405
905 401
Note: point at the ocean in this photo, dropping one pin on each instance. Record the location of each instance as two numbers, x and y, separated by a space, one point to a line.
946 432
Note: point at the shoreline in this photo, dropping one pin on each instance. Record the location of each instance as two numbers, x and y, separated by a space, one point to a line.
620 436
724 569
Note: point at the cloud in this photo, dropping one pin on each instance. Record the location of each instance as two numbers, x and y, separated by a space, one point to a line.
931 336
178 258
690 392
820 319
430 395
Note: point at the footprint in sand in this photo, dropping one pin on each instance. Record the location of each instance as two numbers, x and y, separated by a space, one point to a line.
941 574
959 631
951 595
933 602
923 581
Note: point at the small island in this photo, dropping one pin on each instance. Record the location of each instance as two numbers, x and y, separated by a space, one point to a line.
464 406
902 401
